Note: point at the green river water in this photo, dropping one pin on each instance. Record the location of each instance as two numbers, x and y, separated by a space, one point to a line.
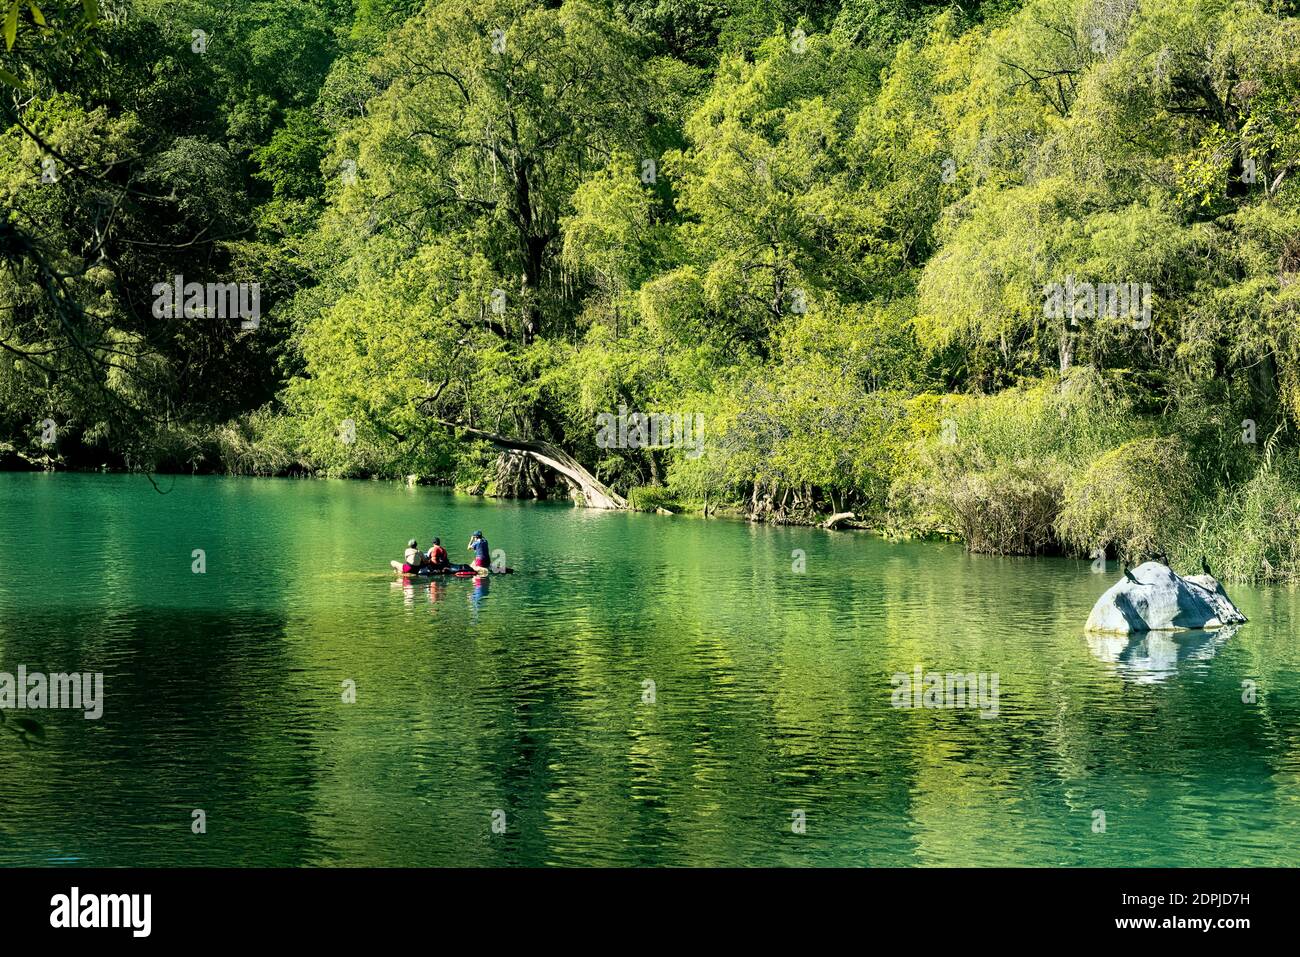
523 702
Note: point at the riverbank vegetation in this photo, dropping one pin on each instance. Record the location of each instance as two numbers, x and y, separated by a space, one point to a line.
1019 272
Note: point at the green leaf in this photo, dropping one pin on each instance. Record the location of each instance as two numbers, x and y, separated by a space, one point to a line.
91 9
11 25
9 78
36 14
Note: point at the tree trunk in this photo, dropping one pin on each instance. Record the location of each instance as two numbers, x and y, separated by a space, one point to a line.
533 240
594 493
1065 349
837 519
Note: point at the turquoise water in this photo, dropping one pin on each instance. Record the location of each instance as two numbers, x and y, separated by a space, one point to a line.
767 737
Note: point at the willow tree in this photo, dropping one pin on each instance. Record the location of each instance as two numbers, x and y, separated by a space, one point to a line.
1140 145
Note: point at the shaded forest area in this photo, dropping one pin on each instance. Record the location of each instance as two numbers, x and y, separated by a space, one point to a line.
1023 273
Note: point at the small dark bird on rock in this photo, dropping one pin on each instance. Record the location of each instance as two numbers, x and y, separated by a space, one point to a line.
1128 573
1205 567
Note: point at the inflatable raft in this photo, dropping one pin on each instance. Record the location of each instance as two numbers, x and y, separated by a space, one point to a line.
429 571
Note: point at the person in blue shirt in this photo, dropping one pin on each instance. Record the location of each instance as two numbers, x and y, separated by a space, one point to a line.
482 562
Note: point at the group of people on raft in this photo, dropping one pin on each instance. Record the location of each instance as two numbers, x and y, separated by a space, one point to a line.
435 559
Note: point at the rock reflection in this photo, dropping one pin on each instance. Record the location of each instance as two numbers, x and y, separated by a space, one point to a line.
1154 656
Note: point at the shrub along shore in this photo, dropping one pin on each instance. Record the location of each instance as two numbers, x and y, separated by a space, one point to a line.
1064 467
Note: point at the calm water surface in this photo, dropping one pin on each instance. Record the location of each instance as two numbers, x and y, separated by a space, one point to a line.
525 695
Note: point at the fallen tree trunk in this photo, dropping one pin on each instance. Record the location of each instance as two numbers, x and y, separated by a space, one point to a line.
837 519
594 493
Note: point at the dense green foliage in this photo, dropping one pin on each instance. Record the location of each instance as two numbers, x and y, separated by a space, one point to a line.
831 231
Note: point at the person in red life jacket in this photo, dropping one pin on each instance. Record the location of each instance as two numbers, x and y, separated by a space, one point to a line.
482 562
438 555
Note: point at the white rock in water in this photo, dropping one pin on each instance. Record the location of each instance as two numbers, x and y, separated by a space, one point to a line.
1161 600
